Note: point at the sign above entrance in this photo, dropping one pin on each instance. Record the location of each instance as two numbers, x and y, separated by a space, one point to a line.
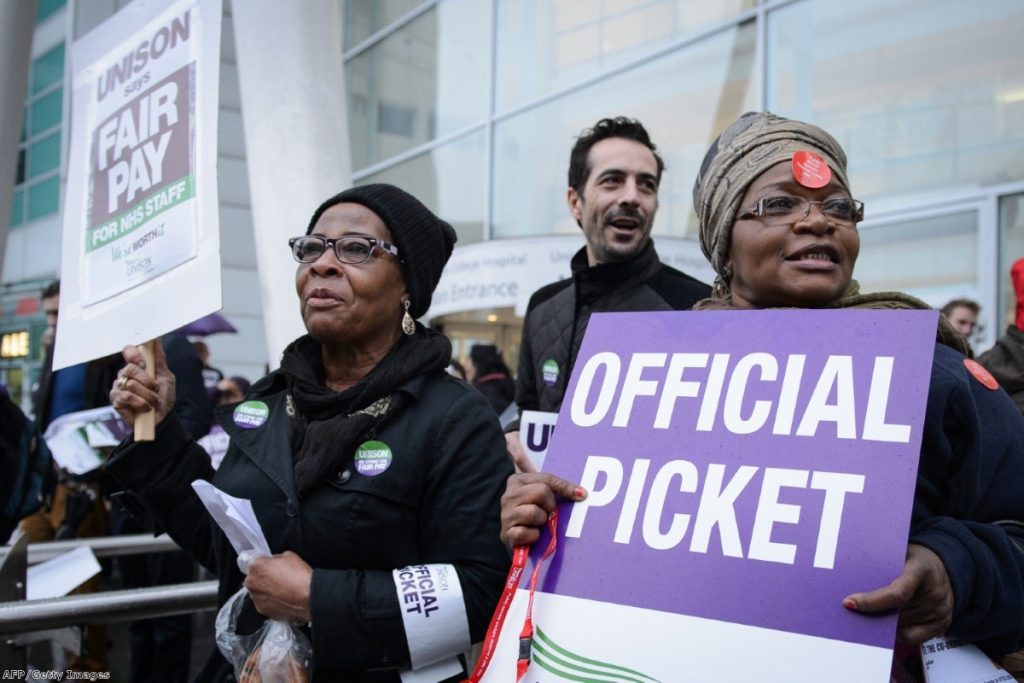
506 273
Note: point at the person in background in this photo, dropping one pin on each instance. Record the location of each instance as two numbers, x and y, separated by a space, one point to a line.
1005 360
455 369
361 455
211 375
161 647
75 506
776 242
491 377
232 390
614 175
962 315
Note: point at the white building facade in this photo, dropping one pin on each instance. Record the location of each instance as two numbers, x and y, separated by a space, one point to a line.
473 106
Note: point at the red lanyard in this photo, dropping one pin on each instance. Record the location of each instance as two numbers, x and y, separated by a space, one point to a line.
515 573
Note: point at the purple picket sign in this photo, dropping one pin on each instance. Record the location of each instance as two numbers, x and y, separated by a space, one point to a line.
751 467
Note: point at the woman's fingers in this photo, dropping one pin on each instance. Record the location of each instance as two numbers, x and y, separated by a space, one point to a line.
135 392
528 500
922 593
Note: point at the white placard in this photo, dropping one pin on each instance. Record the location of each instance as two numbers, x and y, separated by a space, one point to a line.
535 430
60 575
75 438
140 244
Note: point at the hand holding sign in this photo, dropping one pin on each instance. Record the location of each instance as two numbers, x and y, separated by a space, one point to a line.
528 500
136 393
922 594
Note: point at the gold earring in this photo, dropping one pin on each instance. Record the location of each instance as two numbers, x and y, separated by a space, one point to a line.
408 324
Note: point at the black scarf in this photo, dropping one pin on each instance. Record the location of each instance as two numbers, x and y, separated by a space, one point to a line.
328 426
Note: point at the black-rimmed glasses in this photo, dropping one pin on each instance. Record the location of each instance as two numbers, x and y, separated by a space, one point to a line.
786 209
352 249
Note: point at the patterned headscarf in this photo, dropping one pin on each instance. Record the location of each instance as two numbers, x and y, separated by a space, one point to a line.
750 146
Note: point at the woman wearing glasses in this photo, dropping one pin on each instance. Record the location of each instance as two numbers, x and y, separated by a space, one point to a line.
779 225
375 475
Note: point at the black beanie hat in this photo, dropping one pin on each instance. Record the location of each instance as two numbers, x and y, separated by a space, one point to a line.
424 241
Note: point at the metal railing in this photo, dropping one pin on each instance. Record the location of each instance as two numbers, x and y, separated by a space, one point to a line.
107 607
102 546
23 622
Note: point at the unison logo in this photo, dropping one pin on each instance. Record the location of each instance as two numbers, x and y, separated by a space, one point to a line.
573 667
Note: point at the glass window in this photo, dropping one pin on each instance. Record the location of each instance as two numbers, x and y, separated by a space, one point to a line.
363 18
449 180
39 149
44 155
18 208
922 94
428 79
546 45
48 7
950 269
48 69
46 112
683 99
44 198
1011 248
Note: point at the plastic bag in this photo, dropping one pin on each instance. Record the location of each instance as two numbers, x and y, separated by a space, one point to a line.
277 653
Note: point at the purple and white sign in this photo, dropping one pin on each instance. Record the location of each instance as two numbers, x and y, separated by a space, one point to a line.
746 471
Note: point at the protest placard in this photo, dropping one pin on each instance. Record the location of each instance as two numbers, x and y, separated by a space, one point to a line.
746 471
535 431
140 244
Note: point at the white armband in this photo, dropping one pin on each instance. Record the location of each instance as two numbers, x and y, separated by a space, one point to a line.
433 612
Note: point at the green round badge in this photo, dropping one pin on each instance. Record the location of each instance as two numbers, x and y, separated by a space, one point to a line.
372 458
251 414
550 370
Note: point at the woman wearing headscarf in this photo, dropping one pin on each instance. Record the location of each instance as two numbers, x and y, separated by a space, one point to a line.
361 455
779 225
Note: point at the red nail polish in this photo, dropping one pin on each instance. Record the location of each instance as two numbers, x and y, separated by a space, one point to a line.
848 603
579 492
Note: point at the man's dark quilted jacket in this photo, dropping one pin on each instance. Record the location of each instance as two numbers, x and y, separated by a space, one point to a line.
558 314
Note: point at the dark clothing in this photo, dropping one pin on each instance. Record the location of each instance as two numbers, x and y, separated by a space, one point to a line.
498 388
1005 361
969 506
26 464
68 391
98 377
557 317
437 502
191 403
161 648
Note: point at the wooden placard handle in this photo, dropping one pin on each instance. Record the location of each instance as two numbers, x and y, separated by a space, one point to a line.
145 423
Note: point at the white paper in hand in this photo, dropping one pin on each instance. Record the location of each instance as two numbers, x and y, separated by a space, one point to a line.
235 517
949 660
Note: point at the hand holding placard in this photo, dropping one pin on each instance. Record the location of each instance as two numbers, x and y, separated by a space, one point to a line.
528 501
144 391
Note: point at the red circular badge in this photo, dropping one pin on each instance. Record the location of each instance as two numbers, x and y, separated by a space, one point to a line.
810 170
981 374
